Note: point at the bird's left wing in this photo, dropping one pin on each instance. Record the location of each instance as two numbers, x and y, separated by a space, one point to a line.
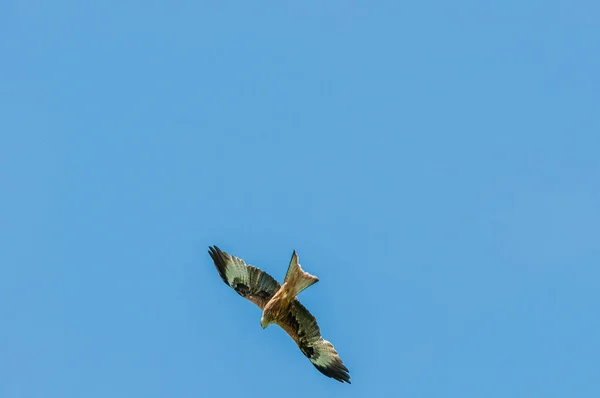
302 326
248 281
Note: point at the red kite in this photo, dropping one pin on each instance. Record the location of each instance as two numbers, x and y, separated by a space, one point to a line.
280 306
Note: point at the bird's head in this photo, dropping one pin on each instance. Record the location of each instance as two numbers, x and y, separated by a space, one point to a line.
264 322
268 316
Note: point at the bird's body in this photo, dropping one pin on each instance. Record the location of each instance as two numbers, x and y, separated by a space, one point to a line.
281 306
278 306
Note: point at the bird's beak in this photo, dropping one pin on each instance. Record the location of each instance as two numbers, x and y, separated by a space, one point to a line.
263 323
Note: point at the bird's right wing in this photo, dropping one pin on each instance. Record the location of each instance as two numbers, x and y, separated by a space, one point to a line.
248 281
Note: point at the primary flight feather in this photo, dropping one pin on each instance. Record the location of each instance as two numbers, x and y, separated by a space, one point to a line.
280 306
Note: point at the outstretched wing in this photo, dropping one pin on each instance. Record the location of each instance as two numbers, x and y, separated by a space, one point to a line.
302 326
250 282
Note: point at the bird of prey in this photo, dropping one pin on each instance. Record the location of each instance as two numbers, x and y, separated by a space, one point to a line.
280 306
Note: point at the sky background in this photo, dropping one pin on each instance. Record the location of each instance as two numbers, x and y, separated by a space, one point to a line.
436 165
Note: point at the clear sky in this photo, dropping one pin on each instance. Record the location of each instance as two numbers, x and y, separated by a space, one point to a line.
436 164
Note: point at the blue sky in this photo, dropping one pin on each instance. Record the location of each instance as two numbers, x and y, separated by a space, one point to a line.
435 164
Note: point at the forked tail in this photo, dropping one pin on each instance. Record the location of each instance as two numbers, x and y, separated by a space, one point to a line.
296 278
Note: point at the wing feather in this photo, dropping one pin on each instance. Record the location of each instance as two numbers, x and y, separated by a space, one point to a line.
249 282
302 326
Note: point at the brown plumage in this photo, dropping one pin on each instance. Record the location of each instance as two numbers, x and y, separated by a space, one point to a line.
280 306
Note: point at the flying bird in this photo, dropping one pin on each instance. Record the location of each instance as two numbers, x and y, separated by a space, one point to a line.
280 306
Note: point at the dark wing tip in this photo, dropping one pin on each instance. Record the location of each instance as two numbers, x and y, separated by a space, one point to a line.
218 258
336 370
